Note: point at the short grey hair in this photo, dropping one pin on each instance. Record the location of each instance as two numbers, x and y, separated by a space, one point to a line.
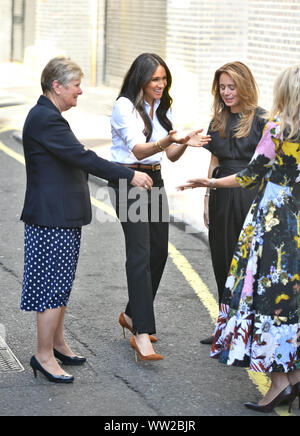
62 69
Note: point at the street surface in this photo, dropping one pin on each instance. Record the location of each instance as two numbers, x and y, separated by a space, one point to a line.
186 383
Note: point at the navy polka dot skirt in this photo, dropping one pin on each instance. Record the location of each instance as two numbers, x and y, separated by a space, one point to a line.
50 262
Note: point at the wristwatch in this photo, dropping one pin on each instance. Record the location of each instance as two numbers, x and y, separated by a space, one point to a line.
211 183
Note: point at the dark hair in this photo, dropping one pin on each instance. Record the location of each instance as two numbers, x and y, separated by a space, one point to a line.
137 77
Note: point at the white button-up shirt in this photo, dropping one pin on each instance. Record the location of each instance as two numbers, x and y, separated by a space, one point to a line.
127 131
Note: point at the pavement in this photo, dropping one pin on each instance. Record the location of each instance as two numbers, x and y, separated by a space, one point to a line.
187 383
111 383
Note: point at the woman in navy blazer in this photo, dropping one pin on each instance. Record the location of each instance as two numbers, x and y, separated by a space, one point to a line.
57 204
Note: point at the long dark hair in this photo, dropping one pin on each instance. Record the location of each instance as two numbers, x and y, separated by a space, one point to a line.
137 77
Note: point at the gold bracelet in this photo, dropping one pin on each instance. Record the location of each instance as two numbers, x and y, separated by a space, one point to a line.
158 146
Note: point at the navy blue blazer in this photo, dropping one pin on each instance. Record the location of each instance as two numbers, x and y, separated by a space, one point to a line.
57 167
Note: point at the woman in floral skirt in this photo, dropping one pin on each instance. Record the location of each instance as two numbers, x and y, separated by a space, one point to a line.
259 320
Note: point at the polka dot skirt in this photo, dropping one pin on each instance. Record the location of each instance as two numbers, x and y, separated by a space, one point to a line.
51 256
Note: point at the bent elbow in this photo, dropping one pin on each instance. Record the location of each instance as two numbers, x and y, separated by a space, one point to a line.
138 153
173 157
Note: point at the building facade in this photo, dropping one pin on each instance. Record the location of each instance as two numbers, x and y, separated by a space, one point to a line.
195 37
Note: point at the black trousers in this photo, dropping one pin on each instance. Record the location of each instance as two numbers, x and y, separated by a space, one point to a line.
144 216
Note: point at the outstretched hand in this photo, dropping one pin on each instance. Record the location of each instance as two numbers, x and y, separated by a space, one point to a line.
193 139
197 140
175 138
194 183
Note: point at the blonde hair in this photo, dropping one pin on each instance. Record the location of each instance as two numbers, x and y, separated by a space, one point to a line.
247 90
286 101
62 69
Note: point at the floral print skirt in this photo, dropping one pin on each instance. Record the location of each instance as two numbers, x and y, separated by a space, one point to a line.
259 320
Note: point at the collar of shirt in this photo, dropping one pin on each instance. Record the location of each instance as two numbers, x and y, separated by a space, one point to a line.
148 106
159 131
127 131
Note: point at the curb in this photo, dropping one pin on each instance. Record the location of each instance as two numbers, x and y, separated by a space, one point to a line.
11 103
17 136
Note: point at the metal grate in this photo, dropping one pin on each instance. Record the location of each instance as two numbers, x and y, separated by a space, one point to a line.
8 361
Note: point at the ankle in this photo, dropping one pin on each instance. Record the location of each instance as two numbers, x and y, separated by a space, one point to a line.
128 319
59 342
59 346
44 357
143 341
294 377
64 349
142 337
280 383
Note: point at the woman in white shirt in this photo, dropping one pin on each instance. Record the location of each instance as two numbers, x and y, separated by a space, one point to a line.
141 131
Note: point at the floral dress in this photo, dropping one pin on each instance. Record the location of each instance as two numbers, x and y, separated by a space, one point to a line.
259 320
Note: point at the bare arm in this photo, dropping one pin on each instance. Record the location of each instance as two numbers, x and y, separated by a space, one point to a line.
141 151
175 151
174 145
224 182
214 162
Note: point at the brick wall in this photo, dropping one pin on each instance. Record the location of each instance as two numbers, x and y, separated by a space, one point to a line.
201 36
273 40
65 26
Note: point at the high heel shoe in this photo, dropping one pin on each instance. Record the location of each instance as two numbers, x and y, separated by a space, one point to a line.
124 324
297 392
36 366
288 395
70 361
154 356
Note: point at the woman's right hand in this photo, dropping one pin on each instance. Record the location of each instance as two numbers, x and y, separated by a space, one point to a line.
193 139
195 183
142 180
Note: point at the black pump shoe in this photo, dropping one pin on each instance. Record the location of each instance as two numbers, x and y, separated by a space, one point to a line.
207 341
297 391
36 366
70 361
288 395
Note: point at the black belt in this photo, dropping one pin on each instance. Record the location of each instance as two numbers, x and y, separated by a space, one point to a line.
154 167
233 163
